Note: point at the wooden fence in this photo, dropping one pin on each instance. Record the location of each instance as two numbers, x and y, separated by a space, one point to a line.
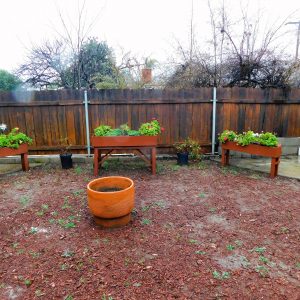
48 116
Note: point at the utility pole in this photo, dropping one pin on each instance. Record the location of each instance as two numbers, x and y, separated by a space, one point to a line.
298 37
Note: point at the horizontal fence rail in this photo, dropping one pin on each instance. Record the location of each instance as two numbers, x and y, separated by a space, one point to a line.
49 116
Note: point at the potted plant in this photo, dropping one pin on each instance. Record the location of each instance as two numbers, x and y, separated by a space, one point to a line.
263 144
186 148
65 155
15 143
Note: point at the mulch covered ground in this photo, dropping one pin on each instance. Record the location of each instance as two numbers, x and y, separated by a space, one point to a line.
198 232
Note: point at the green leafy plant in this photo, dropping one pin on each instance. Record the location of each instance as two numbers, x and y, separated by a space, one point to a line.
249 137
149 128
14 139
221 276
188 146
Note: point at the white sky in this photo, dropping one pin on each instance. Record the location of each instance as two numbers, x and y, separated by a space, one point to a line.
146 28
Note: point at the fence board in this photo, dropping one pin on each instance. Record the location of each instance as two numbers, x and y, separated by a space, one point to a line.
47 116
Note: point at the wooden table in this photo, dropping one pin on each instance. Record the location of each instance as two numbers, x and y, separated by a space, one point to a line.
22 150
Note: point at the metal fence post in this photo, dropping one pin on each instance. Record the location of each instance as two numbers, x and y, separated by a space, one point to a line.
214 112
86 109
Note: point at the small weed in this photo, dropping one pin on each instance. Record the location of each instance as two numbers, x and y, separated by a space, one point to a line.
212 209
262 270
146 222
15 245
200 252
2 285
78 193
63 267
35 254
33 230
160 168
65 223
27 282
66 204
54 213
238 243
105 241
39 293
43 209
146 208
104 297
52 221
264 259
126 283
160 204
191 241
79 266
137 284
175 167
78 170
69 297
259 249
284 230
68 253
230 247
221 276
202 195
20 251
24 200
126 262
297 265
201 166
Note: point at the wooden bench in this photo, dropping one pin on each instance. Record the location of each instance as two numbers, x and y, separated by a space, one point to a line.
273 152
22 150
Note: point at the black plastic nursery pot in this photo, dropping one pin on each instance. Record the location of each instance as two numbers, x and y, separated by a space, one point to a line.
182 159
66 160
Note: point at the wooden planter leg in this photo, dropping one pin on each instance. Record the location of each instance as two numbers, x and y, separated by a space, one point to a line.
225 157
24 160
274 166
96 161
153 160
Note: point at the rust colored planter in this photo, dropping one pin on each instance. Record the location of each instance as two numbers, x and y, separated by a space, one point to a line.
124 141
273 152
111 208
22 150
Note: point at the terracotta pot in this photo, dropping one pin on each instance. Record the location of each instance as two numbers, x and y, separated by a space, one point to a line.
111 208
123 141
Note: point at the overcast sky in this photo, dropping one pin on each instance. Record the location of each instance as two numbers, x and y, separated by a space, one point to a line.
146 28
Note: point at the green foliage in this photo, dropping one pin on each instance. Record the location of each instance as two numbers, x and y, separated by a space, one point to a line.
150 128
230 247
246 138
14 139
102 130
188 146
227 135
221 276
8 81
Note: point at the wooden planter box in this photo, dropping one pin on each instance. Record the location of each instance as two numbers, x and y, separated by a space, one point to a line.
109 144
272 152
124 141
22 150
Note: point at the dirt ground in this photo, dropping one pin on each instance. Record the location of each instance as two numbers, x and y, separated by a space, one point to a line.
198 232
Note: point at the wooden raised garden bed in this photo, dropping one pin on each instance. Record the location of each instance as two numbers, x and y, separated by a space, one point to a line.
22 150
273 152
106 145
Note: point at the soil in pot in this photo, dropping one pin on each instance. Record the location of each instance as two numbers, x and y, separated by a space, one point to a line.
182 159
107 189
66 161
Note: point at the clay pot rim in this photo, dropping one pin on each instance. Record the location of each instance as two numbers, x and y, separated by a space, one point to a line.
115 177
